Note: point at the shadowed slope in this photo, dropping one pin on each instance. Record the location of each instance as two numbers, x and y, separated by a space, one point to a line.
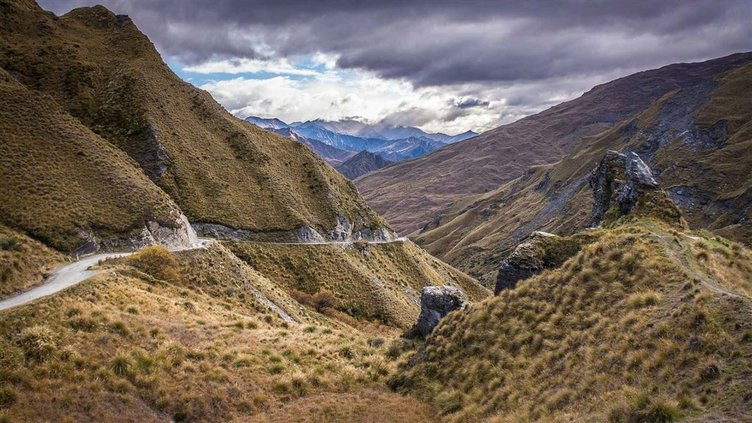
410 194
217 168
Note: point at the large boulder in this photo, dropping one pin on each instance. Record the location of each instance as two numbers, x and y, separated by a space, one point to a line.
624 185
435 303
539 251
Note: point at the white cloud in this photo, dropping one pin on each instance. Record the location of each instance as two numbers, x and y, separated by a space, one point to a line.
337 94
243 65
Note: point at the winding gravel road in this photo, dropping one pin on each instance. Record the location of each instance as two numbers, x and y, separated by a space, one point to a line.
73 274
77 272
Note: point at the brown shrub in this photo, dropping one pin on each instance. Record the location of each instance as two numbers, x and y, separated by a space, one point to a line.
156 261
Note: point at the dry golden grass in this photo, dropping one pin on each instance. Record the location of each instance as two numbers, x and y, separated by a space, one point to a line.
23 261
636 326
476 232
376 281
129 345
107 74
60 179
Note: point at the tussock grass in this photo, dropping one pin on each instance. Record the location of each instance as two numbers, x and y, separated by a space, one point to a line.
381 284
633 328
81 354
24 262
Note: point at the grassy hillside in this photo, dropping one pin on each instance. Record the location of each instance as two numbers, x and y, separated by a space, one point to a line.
695 139
159 337
648 323
24 262
374 281
62 183
411 194
103 71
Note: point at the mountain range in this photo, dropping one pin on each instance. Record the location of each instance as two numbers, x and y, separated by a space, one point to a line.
163 260
471 202
393 143
361 163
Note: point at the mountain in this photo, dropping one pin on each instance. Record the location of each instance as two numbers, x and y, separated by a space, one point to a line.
395 143
361 163
382 130
272 123
696 138
294 306
98 74
332 155
409 148
460 137
637 320
412 194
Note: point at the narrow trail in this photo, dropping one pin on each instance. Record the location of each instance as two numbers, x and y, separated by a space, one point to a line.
78 271
73 274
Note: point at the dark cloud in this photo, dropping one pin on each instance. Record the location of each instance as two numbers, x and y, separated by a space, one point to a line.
447 42
467 103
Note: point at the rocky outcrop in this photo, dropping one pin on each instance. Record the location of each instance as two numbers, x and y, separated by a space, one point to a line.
525 261
435 303
175 235
617 181
540 251
178 234
623 184
342 232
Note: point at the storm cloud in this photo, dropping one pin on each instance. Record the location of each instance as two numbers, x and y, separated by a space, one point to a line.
435 43
536 51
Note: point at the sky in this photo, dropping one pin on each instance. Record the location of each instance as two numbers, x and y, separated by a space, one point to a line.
446 66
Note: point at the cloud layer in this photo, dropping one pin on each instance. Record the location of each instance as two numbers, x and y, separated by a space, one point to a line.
509 55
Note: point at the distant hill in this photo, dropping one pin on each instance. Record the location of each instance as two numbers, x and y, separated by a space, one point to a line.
412 194
696 138
362 163
395 143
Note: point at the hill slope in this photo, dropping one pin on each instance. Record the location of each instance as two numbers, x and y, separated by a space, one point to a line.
361 163
103 71
66 186
410 194
696 139
637 320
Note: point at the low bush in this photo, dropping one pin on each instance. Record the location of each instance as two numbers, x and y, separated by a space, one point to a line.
157 262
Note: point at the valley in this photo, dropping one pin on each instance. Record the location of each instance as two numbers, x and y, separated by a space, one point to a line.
166 255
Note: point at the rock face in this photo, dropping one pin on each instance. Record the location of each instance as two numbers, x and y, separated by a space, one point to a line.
175 235
342 232
525 261
435 303
617 183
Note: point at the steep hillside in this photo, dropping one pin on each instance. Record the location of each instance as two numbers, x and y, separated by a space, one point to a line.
373 281
646 324
361 163
696 140
67 187
413 193
187 337
638 320
101 70
24 262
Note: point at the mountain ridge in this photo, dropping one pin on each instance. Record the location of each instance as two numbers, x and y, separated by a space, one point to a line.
395 143
362 163
411 194
689 137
